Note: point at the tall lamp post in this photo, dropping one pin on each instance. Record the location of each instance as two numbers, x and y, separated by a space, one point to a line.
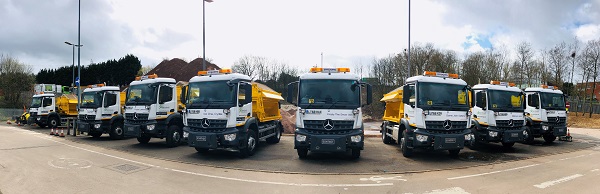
204 35
408 38
74 45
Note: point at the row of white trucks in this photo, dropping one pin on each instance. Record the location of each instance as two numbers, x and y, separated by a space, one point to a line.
219 109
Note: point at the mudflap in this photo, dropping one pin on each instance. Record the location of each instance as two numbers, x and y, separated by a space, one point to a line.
328 143
205 140
132 131
449 142
512 136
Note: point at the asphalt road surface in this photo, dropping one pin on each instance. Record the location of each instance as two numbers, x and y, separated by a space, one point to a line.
33 162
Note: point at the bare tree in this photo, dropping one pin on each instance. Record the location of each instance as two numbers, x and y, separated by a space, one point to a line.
557 61
524 56
16 79
251 66
591 55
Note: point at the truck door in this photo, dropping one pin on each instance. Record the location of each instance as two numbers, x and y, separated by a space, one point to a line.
110 105
166 100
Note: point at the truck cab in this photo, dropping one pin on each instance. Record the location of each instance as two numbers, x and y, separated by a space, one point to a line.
329 115
497 114
152 109
226 110
41 105
431 111
545 112
101 111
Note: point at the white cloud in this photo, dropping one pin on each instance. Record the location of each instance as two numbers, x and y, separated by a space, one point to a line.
587 32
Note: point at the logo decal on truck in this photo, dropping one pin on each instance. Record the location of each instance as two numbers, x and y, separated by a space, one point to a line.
328 124
447 124
205 123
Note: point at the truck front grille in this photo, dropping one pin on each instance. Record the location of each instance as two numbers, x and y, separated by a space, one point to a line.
439 125
207 124
553 121
87 117
328 125
505 123
136 116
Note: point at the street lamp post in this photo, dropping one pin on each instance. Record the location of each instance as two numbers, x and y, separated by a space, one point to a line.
408 38
73 45
204 35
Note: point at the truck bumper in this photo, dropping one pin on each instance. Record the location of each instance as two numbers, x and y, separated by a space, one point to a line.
438 141
90 126
212 139
41 120
328 143
139 130
545 128
494 134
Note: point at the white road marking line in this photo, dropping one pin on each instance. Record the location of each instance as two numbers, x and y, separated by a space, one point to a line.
221 177
573 157
557 181
595 170
493 172
453 190
378 179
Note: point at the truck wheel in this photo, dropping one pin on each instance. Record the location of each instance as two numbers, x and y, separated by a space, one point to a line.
251 145
529 138
174 136
406 151
275 139
302 152
355 153
454 153
116 131
549 138
386 139
95 134
201 150
508 145
144 139
53 122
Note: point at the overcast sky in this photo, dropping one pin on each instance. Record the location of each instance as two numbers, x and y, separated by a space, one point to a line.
348 32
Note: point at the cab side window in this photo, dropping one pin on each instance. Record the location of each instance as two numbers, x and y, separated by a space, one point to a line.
530 100
480 99
165 94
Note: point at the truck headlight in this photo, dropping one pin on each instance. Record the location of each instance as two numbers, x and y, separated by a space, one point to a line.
229 137
468 137
355 138
493 133
355 111
226 111
186 134
97 126
300 137
150 127
545 127
421 138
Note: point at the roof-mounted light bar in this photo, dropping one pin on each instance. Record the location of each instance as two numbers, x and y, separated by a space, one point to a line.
215 72
439 74
145 77
510 84
330 70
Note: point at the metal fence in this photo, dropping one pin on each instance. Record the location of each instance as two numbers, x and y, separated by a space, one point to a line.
9 113
584 107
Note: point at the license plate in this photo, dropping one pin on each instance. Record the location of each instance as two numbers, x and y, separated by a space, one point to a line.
514 134
561 130
130 129
200 138
328 141
450 140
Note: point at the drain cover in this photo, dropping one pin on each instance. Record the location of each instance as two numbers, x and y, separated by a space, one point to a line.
126 168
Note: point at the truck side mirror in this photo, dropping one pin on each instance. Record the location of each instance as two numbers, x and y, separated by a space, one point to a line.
248 93
290 92
183 94
369 94
406 94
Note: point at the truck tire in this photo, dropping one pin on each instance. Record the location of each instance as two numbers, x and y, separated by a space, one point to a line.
386 139
275 139
252 142
201 150
508 145
95 134
406 151
174 136
529 138
454 153
302 152
116 131
144 139
53 122
549 138
355 153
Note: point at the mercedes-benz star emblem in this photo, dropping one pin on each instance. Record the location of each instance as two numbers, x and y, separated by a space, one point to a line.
447 124
135 116
328 124
205 123
557 119
511 122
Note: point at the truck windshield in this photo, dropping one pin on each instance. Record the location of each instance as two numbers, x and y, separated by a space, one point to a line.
211 94
552 101
332 94
505 101
440 96
143 94
36 102
91 99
